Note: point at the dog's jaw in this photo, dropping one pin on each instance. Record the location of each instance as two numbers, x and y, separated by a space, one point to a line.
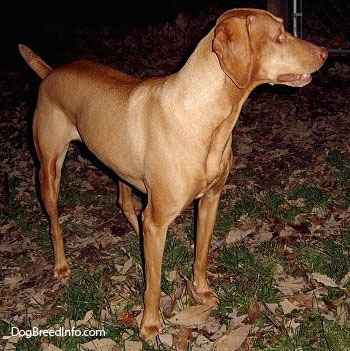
295 80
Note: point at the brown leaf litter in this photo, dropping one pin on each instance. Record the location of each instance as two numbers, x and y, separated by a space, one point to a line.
282 139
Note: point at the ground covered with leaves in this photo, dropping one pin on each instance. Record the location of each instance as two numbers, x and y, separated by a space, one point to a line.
280 255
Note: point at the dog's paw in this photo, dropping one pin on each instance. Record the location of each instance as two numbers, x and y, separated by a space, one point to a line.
62 271
208 298
149 332
203 296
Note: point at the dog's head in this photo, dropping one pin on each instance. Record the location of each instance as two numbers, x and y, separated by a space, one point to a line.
253 47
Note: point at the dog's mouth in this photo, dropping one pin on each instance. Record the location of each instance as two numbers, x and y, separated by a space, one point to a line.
295 80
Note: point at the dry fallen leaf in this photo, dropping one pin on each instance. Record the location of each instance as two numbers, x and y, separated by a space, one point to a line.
342 314
49 347
126 318
87 317
167 304
233 338
194 315
133 345
236 320
272 307
325 280
166 339
263 236
182 20
182 339
237 235
105 344
213 325
345 279
292 327
127 265
291 285
11 343
288 306
201 343
254 311
119 278
13 281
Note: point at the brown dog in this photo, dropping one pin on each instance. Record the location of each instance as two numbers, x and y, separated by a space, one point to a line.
168 137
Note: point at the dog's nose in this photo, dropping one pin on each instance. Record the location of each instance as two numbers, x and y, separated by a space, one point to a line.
323 53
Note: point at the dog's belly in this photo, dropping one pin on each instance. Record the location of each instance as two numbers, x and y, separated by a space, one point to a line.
125 169
124 162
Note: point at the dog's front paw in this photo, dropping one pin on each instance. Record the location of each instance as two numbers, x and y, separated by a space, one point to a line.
203 296
208 298
62 270
149 332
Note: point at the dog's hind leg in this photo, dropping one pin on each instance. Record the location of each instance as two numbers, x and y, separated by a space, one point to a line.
125 203
52 135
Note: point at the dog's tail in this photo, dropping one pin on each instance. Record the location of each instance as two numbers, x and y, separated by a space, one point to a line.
41 68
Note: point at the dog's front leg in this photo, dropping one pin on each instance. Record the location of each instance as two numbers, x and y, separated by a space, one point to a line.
154 236
207 212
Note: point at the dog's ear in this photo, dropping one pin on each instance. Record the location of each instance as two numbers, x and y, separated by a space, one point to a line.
232 45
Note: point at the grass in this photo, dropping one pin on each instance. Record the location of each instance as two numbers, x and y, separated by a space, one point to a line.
302 198
251 276
285 206
248 271
330 256
278 207
314 333
312 196
340 163
73 197
176 258
242 205
339 159
15 211
84 292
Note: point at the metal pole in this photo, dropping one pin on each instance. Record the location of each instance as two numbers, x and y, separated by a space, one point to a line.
296 14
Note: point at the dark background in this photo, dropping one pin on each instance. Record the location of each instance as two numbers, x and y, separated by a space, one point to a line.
46 26
30 22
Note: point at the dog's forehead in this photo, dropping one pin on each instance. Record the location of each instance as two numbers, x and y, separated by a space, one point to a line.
245 12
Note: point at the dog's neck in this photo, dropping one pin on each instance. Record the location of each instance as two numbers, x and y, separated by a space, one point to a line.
217 99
